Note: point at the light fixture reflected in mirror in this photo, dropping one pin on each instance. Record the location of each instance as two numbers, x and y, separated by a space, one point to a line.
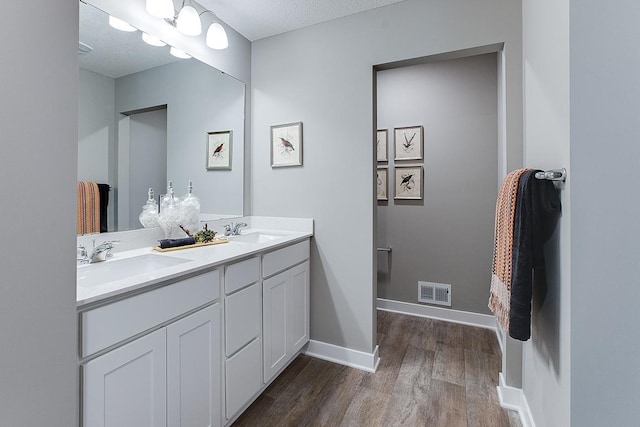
188 22
179 53
152 40
217 37
160 8
119 24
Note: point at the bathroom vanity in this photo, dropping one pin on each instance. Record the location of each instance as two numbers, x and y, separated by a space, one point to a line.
191 337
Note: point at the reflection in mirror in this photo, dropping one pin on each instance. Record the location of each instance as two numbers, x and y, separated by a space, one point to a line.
144 119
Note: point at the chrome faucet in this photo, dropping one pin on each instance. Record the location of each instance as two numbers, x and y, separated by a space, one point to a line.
102 251
81 255
233 229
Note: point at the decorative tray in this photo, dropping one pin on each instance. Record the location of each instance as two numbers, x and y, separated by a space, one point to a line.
217 241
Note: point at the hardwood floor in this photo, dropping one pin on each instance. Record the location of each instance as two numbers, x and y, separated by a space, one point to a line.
431 373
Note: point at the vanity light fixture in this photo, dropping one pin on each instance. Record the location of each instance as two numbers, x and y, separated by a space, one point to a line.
160 8
179 53
187 21
119 24
217 37
152 40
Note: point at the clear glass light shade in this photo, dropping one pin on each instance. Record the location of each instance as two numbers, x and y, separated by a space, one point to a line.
152 40
119 24
160 8
179 53
189 21
217 37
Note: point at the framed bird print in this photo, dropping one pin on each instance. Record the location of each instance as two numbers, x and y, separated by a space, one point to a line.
408 182
382 183
408 143
381 145
219 150
286 145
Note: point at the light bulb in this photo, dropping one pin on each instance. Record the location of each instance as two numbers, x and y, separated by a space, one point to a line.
189 22
160 8
152 40
217 37
179 53
119 24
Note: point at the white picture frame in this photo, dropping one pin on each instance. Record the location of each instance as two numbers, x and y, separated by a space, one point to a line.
286 145
408 143
409 183
382 184
219 150
382 145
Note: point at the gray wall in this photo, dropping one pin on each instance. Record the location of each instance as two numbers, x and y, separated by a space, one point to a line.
448 236
96 124
38 118
323 76
199 99
546 357
605 173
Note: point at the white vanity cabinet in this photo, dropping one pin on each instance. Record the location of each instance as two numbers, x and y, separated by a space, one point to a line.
243 332
168 371
195 349
285 306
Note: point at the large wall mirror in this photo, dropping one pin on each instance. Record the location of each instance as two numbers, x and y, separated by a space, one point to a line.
145 118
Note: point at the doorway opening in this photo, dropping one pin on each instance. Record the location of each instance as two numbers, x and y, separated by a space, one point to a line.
142 162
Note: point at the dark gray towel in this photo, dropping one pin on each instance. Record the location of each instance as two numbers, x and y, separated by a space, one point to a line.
103 190
174 243
537 212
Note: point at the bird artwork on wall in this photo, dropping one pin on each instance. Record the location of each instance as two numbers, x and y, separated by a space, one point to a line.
381 145
408 182
219 150
409 143
286 145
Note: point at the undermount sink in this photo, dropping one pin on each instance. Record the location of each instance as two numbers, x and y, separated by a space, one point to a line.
255 237
117 269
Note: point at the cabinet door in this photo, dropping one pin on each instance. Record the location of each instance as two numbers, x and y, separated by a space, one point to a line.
243 315
127 386
193 370
275 319
298 307
243 379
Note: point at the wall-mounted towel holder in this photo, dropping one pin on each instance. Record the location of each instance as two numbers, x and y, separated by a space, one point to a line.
553 175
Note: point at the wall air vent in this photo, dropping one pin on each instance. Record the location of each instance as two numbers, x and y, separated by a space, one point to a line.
434 293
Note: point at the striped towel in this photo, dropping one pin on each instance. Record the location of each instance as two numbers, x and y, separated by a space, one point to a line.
88 208
500 297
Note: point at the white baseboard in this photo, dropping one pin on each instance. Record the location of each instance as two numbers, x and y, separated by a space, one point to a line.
343 356
514 399
446 314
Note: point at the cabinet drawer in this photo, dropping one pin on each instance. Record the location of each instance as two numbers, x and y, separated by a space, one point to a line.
241 274
243 377
276 261
109 324
242 318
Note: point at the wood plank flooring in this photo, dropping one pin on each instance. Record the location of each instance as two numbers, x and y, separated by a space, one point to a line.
431 373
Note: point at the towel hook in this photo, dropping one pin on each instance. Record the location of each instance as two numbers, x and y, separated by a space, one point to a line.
553 175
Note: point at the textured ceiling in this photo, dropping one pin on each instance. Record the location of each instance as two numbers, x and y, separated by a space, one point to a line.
115 53
257 19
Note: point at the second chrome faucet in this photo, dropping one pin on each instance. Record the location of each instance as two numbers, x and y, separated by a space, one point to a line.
233 229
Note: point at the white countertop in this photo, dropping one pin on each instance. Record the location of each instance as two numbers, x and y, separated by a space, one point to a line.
197 259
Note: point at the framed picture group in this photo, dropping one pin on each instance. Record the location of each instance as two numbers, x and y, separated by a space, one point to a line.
408 148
